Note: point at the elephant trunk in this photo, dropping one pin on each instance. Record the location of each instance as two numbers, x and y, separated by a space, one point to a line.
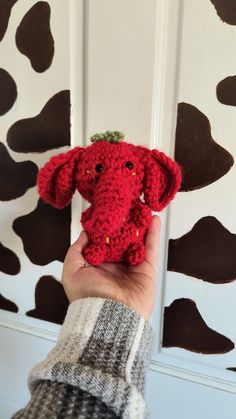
111 202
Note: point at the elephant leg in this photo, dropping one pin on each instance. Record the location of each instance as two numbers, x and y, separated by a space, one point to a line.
135 253
94 254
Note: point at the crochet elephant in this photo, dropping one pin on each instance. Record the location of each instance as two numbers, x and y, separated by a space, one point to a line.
112 174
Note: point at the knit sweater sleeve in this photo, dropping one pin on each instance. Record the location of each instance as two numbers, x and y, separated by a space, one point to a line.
97 368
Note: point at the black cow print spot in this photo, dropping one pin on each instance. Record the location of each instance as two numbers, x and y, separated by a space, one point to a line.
5 12
51 302
8 91
45 233
34 38
8 305
226 91
202 160
9 262
226 10
49 129
185 328
15 178
206 252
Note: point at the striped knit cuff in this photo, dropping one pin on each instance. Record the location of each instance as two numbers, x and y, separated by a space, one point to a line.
103 345
116 339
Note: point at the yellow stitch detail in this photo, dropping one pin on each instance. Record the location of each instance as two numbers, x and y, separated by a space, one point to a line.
88 171
107 240
133 174
137 233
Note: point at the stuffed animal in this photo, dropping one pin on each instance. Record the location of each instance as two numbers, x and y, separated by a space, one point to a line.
111 175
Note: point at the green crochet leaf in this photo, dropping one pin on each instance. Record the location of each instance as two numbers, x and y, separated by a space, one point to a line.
110 136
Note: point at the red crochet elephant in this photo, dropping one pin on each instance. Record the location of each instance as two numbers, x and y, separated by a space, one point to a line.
112 175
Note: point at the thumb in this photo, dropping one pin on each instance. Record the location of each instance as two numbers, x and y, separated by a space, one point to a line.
152 243
81 242
74 254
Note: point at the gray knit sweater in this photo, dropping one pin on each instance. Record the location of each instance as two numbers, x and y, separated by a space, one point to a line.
97 368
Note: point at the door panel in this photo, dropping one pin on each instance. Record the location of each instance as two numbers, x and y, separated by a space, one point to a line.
144 69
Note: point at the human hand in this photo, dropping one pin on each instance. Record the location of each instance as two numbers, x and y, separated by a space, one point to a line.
134 286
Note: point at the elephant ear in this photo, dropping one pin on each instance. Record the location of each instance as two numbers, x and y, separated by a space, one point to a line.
56 180
162 179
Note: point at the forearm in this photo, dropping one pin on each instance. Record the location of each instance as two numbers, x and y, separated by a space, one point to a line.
97 366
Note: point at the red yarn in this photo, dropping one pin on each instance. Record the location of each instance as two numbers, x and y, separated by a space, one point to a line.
112 177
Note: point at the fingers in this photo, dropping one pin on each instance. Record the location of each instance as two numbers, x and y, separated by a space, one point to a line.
74 254
81 242
152 242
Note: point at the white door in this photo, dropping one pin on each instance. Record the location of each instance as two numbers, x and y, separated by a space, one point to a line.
140 67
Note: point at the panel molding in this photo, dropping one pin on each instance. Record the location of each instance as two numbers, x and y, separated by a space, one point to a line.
169 24
164 114
30 326
78 87
77 9
169 16
195 372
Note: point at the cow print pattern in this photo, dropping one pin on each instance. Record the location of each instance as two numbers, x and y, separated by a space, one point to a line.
48 130
51 303
34 38
226 91
5 12
8 91
7 305
15 178
195 149
226 10
43 230
207 251
184 327
9 261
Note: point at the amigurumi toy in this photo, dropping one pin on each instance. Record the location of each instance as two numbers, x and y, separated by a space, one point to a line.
112 175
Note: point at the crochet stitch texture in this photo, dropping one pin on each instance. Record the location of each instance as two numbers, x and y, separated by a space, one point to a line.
112 174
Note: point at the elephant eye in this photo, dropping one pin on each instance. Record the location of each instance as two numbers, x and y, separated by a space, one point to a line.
129 165
98 167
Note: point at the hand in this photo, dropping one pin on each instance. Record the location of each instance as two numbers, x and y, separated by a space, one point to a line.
134 286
